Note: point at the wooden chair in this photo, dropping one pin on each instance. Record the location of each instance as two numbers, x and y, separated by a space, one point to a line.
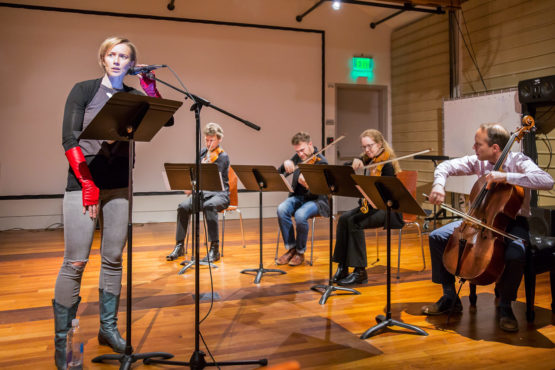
233 206
408 178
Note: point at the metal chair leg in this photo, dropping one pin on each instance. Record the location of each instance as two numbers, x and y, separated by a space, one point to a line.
399 254
277 245
223 230
241 224
312 240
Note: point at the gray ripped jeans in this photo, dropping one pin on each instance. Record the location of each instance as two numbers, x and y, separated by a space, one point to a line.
78 235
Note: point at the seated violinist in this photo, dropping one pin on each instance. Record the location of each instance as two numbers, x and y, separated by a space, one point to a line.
300 204
212 201
350 243
489 142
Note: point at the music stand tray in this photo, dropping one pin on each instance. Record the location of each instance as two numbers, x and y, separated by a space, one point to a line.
261 179
389 194
130 117
181 176
330 180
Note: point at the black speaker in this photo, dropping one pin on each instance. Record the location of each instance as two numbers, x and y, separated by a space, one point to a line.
542 221
537 90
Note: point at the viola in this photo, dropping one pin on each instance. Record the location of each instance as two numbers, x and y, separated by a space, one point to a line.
476 250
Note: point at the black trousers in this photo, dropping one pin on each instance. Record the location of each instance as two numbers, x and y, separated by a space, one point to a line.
350 243
510 279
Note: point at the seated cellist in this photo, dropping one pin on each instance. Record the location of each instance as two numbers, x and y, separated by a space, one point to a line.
518 169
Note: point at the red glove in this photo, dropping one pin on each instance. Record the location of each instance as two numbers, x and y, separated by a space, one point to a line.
79 166
149 84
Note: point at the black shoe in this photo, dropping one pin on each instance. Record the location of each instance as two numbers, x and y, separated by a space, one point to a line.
358 276
442 306
213 253
341 273
178 251
507 319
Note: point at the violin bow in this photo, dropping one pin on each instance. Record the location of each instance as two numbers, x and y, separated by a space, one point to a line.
396 159
324 148
475 220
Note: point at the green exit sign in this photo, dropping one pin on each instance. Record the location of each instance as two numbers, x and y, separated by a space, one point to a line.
362 67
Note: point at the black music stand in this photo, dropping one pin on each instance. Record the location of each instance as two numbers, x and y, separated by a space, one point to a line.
330 180
261 179
389 194
130 117
197 359
181 176
442 214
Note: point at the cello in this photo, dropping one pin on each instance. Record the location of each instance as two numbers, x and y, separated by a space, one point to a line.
476 249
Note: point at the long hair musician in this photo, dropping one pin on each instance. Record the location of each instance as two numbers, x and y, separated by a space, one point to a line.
350 244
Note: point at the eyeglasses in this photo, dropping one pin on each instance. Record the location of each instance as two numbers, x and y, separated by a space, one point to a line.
369 146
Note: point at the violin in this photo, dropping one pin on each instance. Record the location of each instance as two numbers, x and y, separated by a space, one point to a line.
315 156
476 249
211 156
375 170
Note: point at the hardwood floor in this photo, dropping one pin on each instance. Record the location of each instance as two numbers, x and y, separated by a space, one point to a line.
279 319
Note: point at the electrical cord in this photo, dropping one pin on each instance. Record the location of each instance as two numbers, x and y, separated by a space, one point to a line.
472 57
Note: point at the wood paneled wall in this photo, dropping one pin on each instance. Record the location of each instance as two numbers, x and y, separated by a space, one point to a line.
419 82
512 40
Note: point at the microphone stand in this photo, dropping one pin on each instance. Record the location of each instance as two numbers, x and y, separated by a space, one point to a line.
197 360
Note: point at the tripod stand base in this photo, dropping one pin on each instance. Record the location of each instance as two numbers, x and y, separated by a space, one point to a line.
327 290
261 271
197 361
190 264
383 323
126 360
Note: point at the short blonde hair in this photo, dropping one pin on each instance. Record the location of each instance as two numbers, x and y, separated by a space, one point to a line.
109 43
213 128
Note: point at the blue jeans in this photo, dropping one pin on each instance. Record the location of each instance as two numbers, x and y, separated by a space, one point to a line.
509 280
295 206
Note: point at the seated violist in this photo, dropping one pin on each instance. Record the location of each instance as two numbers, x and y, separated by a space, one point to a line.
489 142
213 201
350 243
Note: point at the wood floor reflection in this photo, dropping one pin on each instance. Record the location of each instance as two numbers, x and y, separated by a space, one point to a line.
279 319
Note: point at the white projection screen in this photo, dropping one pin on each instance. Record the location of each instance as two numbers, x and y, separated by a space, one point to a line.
462 117
270 77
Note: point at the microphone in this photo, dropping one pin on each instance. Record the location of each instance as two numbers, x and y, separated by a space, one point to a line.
144 69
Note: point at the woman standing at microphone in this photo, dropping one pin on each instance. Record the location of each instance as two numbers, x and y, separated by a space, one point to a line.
96 188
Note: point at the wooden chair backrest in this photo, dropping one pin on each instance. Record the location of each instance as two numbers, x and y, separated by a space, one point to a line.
233 196
409 178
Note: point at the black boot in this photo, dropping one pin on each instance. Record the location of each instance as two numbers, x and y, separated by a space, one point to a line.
341 273
108 335
178 251
213 253
62 323
358 276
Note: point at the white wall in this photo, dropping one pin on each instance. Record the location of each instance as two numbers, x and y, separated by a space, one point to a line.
347 34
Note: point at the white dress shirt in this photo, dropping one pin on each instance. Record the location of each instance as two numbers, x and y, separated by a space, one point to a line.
520 170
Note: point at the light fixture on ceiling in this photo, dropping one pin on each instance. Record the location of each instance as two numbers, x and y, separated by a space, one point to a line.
336 5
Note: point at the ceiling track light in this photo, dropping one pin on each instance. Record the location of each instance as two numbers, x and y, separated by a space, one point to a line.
408 6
